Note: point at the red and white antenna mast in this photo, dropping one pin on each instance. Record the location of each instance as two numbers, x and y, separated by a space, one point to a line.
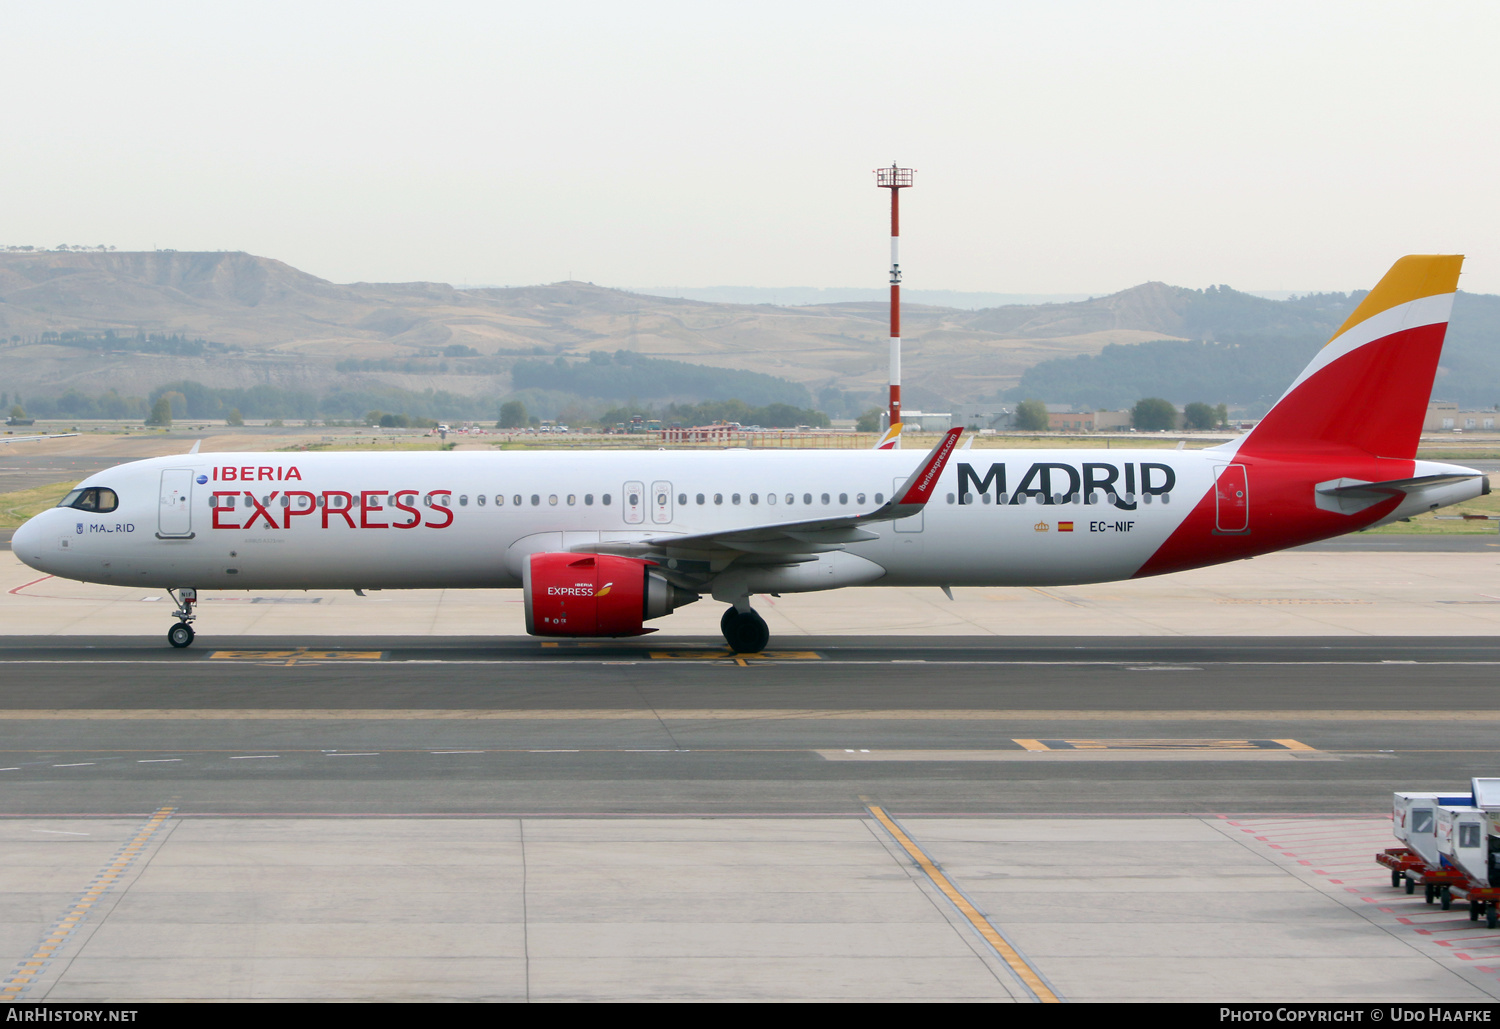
895 179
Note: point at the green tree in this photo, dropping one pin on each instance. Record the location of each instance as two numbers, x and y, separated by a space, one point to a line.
1199 416
18 411
1032 415
234 417
1221 415
161 413
870 420
512 415
1153 414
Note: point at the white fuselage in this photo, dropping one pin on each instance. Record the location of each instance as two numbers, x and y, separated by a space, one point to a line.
432 520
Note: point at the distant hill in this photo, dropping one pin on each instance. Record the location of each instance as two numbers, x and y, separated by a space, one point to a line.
1244 351
132 322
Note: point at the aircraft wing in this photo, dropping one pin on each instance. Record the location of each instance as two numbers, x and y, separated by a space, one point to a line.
790 540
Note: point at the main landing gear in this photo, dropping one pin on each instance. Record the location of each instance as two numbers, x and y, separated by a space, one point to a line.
181 634
745 631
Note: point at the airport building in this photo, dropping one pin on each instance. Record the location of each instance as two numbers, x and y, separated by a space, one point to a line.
1444 414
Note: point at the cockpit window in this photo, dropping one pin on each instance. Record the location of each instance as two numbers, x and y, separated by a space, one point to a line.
96 498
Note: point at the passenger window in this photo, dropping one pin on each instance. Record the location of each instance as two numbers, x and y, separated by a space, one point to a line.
681 499
807 498
718 498
825 498
770 498
427 500
516 500
635 498
286 501
536 500
859 498
754 498
480 499
700 499
734 498
605 499
572 499
463 500
499 499
791 498
445 501
879 498
843 498
552 499
951 498
588 500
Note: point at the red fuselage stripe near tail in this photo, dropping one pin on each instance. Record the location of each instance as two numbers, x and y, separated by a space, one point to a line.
1282 510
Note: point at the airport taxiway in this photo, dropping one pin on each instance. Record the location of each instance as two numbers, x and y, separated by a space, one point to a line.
1170 789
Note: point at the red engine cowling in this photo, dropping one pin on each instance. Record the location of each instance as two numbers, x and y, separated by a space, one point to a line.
596 595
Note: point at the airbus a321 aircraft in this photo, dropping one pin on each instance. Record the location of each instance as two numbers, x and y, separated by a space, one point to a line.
603 542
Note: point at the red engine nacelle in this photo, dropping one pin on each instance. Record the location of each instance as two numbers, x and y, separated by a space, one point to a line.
596 595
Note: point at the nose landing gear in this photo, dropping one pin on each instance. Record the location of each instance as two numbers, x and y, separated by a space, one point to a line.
745 631
181 634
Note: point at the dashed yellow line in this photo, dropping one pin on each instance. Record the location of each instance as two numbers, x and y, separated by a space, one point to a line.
1053 746
291 657
27 970
1009 954
739 659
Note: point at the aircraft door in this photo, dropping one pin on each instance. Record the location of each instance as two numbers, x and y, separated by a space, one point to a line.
1231 499
174 519
661 502
633 504
912 523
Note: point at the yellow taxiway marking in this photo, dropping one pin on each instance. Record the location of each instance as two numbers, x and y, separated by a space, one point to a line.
1162 744
291 657
27 970
740 659
1011 956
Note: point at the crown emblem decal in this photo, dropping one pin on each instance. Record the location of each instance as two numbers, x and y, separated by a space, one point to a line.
1041 526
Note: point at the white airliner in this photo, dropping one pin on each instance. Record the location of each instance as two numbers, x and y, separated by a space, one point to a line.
603 542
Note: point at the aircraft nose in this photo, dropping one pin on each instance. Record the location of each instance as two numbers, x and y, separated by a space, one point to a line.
26 543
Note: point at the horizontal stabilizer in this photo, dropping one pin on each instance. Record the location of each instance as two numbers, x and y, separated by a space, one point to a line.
1350 496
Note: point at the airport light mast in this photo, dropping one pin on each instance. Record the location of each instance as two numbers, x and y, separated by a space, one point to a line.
895 179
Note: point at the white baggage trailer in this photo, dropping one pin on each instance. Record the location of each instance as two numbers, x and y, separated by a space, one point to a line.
1414 823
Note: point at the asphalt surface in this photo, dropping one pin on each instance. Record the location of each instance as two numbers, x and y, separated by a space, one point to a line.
473 726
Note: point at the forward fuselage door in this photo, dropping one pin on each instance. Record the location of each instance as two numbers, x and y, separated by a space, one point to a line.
1231 499
661 502
634 506
174 518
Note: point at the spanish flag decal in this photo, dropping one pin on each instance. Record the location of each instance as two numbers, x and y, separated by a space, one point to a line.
1064 526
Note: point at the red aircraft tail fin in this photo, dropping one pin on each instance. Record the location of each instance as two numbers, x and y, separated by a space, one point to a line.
1368 388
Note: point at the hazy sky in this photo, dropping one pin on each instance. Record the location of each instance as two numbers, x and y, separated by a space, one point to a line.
1060 146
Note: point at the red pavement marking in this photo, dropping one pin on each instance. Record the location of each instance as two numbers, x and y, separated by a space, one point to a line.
33 582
